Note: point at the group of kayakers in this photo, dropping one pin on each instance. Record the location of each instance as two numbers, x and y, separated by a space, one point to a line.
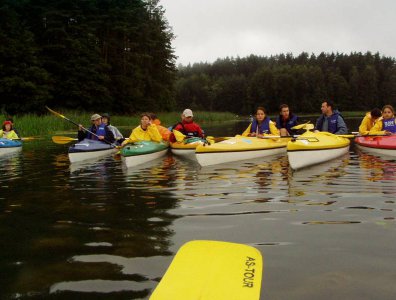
150 129
375 122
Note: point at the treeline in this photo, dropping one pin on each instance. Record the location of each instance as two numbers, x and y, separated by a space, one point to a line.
354 82
102 55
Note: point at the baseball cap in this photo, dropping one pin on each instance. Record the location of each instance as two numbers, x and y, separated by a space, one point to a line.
95 117
188 113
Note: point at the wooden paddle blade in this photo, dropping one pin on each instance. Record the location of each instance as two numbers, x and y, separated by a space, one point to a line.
209 270
62 139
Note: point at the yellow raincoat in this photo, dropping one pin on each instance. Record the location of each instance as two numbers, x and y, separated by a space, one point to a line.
11 135
150 134
367 124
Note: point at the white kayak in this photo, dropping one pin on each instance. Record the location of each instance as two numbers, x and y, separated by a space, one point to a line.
313 148
89 149
9 146
239 148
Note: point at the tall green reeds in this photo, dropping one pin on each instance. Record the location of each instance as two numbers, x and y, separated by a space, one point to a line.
33 125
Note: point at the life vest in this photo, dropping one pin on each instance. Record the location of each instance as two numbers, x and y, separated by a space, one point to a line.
262 128
100 130
292 121
332 125
389 125
188 129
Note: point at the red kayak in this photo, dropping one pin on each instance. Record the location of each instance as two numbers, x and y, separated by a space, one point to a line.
383 145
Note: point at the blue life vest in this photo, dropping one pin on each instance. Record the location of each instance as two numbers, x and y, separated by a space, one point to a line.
289 124
100 130
332 123
389 125
262 128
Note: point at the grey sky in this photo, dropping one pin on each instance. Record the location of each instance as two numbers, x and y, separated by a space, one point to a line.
209 29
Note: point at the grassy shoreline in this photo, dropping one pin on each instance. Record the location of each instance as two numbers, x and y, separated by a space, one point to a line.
33 125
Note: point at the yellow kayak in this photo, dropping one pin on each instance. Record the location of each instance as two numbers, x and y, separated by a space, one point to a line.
312 148
212 270
240 148
186 148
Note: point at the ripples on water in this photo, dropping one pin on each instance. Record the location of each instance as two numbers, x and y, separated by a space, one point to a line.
99 231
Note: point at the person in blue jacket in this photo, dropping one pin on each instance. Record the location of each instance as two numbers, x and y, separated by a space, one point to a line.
331 120
101 130
286 120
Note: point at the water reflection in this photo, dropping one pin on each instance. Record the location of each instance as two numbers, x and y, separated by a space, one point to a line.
101 231
10 167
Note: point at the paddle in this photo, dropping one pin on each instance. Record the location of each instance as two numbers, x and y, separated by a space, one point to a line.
78 125
212 270
28 138
180 137
63 139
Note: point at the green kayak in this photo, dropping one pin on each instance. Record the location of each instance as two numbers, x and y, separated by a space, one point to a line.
142 152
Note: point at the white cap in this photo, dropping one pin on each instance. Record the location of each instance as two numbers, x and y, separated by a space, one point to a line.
188 113
95 117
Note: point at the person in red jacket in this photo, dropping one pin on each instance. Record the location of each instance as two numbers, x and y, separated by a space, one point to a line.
187 126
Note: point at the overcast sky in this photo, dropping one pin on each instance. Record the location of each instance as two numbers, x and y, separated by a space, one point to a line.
209 29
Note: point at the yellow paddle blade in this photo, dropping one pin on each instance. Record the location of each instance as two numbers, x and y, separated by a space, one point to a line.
55 113
212 270
62 139
178 135
306 126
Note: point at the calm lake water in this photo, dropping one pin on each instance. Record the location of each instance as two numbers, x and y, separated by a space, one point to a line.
99 231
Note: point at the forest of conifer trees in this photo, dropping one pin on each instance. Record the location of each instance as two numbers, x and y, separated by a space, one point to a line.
354 82
117 55
85 54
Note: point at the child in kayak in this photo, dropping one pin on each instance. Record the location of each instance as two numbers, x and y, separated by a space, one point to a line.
146 131
261 125
119 138
7 131
388 123
369 120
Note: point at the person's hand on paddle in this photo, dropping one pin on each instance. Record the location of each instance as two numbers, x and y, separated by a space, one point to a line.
80 127
101 137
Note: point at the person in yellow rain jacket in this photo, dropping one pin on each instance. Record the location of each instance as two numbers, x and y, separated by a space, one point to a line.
146 131
261 125
388 123
369 121
7 132
165 132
